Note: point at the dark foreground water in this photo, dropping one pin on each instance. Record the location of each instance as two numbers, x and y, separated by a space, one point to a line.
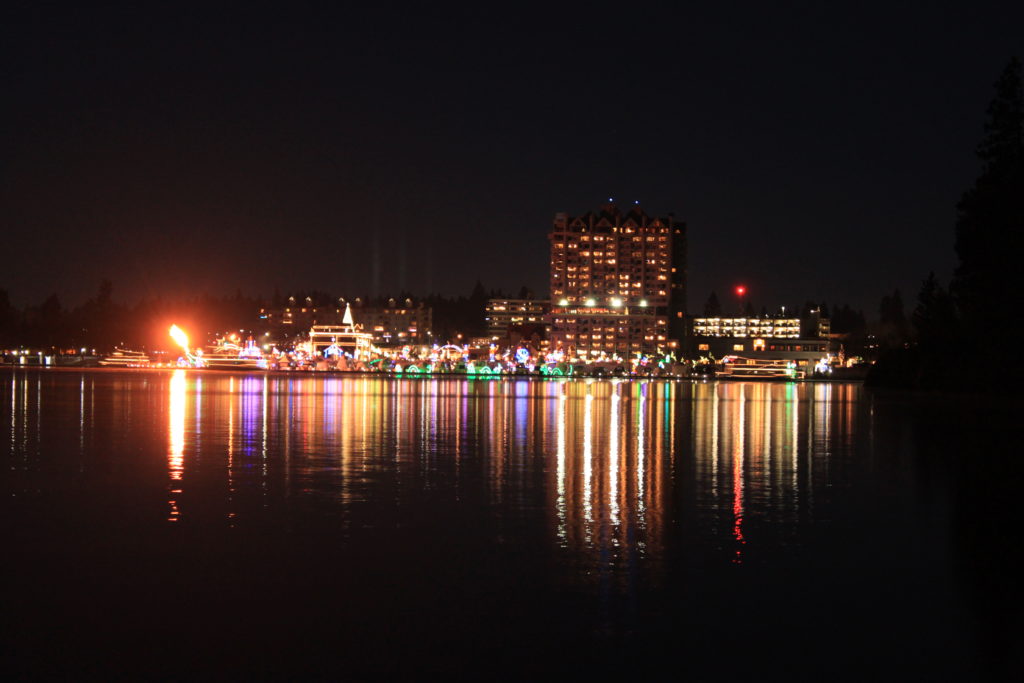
193 524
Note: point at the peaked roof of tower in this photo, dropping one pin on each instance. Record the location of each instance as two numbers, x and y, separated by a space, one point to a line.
614 215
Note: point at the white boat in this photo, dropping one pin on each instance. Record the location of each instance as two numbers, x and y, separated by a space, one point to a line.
125 358
231 356
758 368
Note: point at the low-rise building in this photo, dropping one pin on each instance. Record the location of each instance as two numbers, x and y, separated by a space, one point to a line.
395 324
762 338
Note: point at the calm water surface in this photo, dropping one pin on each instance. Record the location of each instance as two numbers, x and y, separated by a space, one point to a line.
175 523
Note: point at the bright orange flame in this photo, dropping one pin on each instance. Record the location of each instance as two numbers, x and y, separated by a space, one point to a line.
179 336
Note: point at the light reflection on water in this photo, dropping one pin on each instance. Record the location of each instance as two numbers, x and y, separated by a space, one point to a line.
620 483
597 457
176 457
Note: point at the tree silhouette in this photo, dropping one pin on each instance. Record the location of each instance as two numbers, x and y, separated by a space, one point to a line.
890 311
8 318
712 308
106 291
990 216
955 344
934 318
892 320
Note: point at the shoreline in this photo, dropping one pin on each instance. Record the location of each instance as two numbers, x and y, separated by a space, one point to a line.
428 375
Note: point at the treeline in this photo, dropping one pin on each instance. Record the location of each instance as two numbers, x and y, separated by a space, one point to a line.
959 336
102 323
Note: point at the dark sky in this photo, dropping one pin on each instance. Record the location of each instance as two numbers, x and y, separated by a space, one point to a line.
814 152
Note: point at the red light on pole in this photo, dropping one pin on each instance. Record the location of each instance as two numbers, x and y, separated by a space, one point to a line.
740 291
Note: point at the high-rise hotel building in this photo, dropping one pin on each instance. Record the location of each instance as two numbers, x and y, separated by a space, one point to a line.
618 282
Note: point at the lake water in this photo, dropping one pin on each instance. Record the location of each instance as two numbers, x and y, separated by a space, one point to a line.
167 524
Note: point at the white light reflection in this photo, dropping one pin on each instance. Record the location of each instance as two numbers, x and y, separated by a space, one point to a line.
81 416
14 413
714 446
613 458
176 456
560 506
588 467
231 448
739 437
24 416
794 437
641 454
766 412
263 440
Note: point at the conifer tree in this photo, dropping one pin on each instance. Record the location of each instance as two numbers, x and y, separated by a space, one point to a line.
934 318
712 308
990 216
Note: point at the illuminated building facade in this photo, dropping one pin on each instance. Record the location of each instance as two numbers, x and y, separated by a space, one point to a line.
763 338
506 317
396 324
747 327
618 282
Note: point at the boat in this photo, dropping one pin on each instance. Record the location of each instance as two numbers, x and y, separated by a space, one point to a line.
125 358
736 367
227 355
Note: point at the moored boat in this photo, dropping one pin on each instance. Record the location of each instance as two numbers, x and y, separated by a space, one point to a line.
125 358
231 356
735 367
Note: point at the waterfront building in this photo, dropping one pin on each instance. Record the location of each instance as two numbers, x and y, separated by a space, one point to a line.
515 318
747 327
618 282
801 341
397 323
391 322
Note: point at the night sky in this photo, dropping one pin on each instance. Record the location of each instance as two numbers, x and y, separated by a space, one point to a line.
814 152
